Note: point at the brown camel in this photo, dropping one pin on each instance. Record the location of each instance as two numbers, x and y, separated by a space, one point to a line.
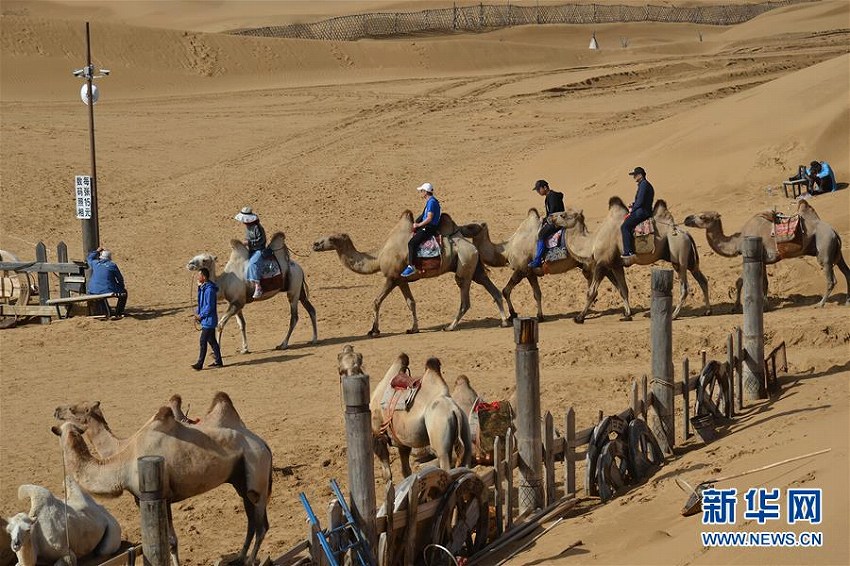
516 253
603 249
433 419
458 256
198 459
819 240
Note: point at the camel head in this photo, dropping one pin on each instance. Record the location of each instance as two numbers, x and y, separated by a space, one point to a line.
20 528
702 219
350 362
472 230
81 414
570 218
202 260
331 243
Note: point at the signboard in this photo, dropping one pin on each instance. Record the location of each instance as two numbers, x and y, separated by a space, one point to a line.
82 186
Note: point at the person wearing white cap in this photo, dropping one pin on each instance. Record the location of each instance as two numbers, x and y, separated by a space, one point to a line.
425 226
255 241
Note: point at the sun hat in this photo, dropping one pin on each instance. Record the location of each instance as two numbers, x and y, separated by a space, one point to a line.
540 184
105 254
638 171
427 187
246 216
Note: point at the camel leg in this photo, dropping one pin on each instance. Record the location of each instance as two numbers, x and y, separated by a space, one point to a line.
250 512
311 310
389 285
702 281
293 320
411 304
240 320
516 277
682 272
845 270
404 458
172 538
739 284
538 295
619 275
592 292
463 285
232 309
382 451
480 277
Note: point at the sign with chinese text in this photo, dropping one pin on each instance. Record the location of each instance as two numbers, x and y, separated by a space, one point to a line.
82 192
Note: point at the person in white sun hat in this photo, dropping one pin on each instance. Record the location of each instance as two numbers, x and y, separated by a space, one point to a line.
425 226
255 241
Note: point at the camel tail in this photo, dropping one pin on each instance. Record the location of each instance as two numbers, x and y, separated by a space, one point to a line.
305 289
465 435
693 262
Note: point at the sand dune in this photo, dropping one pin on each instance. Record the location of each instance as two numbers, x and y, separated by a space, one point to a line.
326 137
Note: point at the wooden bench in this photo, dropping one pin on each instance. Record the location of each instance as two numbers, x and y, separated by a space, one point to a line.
69 301
796 187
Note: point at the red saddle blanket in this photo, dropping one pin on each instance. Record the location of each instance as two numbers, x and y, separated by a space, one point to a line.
786 228
645 228
405 381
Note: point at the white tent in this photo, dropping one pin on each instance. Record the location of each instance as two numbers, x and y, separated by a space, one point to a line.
593 43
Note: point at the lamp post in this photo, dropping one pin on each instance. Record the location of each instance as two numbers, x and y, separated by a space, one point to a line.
87 212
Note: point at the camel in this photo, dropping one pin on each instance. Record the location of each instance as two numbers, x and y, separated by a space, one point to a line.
516 253
234 287
603 249
458 256
198 459
820 240
433 419
40 535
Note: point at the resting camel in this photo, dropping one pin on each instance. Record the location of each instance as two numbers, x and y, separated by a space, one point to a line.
820 240
458 256
40 535
198 459
433 419
237 291
603 249
516 253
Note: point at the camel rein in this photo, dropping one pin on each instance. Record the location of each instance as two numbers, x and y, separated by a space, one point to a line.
65 487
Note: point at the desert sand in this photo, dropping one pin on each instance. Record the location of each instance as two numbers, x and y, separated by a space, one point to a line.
321 137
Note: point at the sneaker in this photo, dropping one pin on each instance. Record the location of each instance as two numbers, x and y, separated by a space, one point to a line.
216 365
535 264
197 366
408 271
258 292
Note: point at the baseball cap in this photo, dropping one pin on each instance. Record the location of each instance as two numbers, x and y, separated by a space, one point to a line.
637 170
427 187
540 184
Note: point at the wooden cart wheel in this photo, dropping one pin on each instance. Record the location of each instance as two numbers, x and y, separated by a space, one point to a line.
712 391
433 484
462 520
612 468
645 454
608 428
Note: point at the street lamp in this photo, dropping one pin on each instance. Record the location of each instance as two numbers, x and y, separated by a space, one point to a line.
87 189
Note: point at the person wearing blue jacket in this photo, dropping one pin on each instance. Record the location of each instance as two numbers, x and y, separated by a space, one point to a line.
106 278
425 226
207 315
821 178
640 210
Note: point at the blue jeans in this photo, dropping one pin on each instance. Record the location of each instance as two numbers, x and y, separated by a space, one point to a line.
628 227
254 265
208 337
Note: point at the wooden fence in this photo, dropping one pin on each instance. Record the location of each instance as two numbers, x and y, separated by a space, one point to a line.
485 17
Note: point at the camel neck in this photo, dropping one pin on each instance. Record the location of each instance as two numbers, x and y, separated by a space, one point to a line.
579 243
727 246
357 261
101 477
492 254
26 555
102 438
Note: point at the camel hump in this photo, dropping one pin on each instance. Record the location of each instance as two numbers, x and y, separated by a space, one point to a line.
35 493
462 380
406 214
404 360
660 206
176 399
533 212
223 404
164 415
616 202
434 365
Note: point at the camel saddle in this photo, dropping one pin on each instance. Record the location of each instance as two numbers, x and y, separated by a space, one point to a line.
401 392
486 422
557 240
786 228
645 237
430 247
556 247
271 275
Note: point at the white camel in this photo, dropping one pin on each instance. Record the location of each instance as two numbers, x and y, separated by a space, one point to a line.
40 537
235 288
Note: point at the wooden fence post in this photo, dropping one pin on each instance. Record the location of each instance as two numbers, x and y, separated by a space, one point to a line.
549 458
753 299
43 280
389 505
62 257
154 511
528 415
509 479
686 397
411 534
635 400
643 399
739 366
730 360
661 336
361 471
570 453
498 478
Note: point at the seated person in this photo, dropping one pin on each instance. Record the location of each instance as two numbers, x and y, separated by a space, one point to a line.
640 210
106 278
821 178
425 226
255 241
554 203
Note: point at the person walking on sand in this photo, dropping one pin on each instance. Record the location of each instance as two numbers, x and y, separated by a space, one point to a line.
207 315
